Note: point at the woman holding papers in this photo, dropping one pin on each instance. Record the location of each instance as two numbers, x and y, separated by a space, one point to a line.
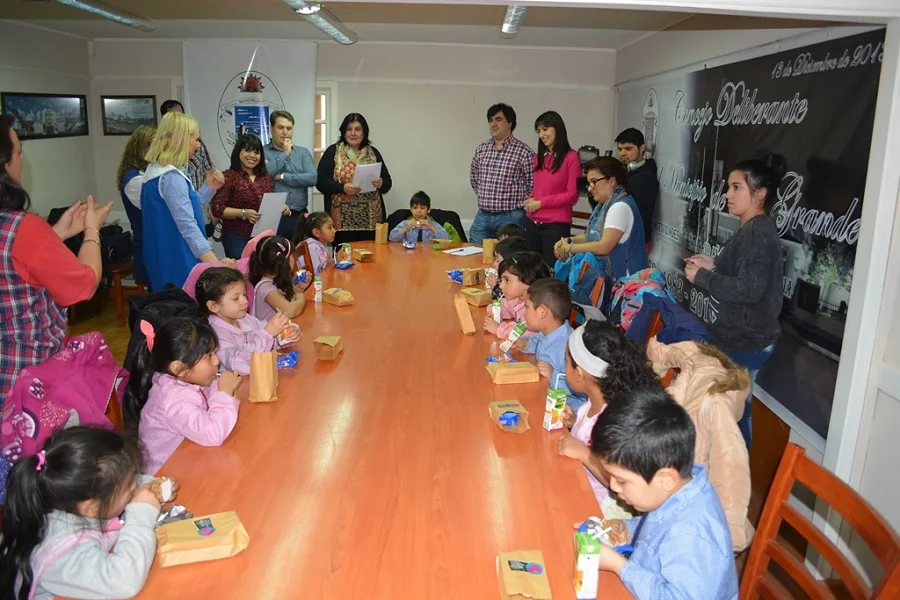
237 202
354 203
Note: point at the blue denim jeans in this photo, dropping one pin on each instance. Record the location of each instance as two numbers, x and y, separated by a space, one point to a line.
234 243
753 362
486 224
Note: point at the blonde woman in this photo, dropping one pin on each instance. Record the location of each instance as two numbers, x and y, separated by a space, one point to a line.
129 178
174 236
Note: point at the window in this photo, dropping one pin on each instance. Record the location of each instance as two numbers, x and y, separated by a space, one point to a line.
321 139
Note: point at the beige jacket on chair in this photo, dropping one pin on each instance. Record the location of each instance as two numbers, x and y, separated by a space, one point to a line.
713 390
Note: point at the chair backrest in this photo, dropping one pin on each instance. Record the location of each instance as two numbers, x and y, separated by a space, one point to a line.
596 292
875 531
301 252
580 220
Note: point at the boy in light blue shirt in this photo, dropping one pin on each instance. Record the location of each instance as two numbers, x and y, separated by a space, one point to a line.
420 227
681 544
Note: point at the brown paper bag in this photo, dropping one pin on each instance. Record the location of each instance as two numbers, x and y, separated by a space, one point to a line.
328 347
488 255
523 574
381 233
337 297
264 376
362 255
477 296
517 372
473 276
200 539
466 323
444 244
497 409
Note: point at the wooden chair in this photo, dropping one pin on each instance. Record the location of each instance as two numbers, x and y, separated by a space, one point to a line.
302 252
120 270
581 216
596 293
114 412
877 533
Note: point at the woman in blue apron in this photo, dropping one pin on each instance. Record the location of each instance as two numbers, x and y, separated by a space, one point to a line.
174 236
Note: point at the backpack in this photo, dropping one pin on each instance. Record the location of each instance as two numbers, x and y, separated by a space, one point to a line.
627 294
580 290
156 308
116 243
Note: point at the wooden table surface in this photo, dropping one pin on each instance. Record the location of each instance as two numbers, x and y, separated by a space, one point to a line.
380 475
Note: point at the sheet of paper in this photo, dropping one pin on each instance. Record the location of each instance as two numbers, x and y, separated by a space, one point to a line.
364 176
270 212
465 251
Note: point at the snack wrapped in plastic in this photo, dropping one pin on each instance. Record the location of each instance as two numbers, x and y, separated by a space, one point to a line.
302 277
176 512
456 275
344 265
409 245
504 358
288 360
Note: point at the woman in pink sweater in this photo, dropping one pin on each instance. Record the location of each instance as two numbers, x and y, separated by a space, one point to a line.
555 191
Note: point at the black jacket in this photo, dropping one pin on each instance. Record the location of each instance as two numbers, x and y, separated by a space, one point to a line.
644 188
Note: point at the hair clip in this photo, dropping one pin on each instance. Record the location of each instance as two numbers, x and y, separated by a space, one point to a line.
149 333
283 249
42 460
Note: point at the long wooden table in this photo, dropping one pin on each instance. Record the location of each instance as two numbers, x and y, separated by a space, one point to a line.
380 475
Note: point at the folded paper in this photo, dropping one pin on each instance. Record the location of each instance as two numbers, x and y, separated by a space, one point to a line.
199 539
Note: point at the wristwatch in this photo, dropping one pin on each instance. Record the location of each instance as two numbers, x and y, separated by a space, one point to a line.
569 241
244 214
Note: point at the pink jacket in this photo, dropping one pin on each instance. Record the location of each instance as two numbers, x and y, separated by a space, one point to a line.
237 343
511 312
177 410
557 192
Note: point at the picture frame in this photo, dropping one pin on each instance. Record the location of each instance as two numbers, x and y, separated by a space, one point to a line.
46 116
123 114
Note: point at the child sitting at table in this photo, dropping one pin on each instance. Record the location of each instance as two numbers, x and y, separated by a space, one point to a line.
317 230
273 280
507 247
517 272
547 305
63 530
176 387
603 366
510 230
420 227
682 544
223 300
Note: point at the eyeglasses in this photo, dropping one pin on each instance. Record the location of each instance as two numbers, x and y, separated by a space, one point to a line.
593 182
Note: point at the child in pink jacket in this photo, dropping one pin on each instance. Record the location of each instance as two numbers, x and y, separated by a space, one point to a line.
517 272
175 385
222 297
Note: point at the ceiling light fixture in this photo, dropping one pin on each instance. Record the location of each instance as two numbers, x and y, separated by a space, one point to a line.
321 18
108 12
513 19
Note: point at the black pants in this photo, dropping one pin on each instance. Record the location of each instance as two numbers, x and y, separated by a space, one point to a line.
288 223
543 236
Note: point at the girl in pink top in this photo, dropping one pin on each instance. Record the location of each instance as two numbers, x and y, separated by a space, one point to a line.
555 191
317 230
601 364
517 272
175 384
223 300
272 277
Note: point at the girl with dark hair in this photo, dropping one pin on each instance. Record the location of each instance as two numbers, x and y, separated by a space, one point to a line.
555 192
746 276
353 211
517 272
62 533
237 202
273 280
317 230
222 296
39 275
615 232
175 385
604 366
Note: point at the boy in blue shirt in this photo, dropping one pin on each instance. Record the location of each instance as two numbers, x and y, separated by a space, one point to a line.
420 227
682 545
547 305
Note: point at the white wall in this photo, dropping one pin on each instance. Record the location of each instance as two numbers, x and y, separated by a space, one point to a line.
57 171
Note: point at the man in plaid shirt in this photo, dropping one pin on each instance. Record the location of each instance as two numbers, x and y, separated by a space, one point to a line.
502 175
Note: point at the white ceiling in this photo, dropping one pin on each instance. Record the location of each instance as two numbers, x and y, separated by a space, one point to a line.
383 22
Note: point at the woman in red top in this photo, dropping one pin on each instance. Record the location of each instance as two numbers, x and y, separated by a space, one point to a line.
237 202
555 191
39 275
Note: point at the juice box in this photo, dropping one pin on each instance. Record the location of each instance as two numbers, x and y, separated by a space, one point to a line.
556 402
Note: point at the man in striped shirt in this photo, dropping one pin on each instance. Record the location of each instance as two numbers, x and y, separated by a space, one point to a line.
502 175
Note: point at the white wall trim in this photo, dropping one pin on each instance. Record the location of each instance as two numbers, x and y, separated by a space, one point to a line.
44 28
813 37
132 77
457 82
887 379
44 72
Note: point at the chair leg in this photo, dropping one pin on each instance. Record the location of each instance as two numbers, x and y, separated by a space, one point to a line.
120 298
140 287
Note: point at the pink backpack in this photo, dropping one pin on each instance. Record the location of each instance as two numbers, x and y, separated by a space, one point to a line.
72 387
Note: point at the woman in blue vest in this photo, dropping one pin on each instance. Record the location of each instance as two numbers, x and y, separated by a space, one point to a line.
171 209
615 232
129 179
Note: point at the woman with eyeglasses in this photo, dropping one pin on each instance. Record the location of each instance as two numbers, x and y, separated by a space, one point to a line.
615 232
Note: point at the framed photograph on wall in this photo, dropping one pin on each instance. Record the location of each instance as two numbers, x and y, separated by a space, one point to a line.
123 114
44 116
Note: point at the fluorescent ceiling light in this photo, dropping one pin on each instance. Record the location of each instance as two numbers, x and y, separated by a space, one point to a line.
514 15
321 17
108 12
